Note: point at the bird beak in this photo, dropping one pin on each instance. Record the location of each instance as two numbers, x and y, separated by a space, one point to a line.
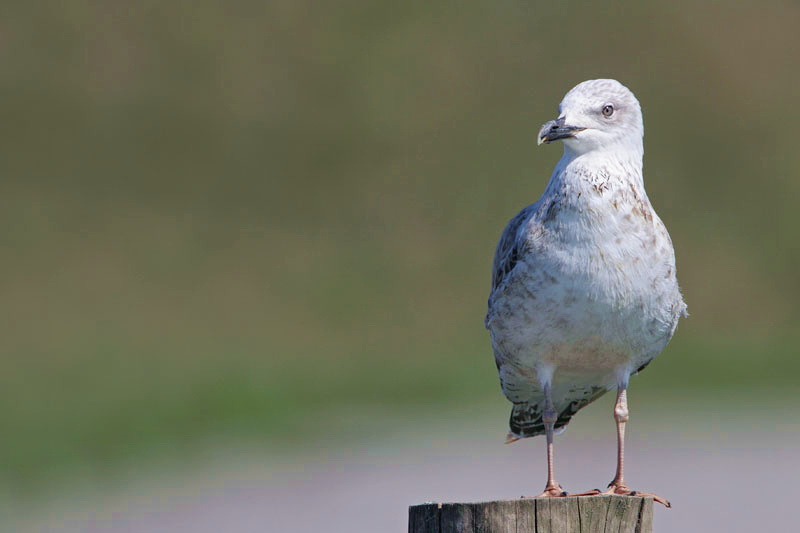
557 129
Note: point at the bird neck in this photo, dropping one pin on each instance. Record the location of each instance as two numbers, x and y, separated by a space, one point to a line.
614 166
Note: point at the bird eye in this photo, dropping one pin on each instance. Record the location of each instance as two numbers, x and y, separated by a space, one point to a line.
608 110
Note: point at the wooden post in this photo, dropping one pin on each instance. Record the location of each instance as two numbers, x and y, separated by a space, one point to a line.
586 514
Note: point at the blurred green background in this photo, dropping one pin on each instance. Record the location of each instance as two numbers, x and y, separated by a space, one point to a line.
235 219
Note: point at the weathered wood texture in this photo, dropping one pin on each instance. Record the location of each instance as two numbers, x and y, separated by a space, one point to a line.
587 514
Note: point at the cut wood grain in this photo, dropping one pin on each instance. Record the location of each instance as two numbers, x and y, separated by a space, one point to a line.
587 514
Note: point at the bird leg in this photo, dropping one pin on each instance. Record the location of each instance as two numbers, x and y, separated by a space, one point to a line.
621 416
549 417
617 485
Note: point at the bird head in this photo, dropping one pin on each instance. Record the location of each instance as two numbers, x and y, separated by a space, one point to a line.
596 114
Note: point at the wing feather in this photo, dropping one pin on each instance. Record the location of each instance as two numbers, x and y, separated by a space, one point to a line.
510 249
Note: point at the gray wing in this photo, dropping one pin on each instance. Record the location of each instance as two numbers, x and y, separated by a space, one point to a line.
508 251
526 413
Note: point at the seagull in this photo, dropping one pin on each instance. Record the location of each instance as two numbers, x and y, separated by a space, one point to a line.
584 291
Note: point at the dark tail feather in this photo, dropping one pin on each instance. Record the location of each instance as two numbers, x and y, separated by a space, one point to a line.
526 418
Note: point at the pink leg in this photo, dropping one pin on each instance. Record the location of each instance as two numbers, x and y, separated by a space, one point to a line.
549 417
617 485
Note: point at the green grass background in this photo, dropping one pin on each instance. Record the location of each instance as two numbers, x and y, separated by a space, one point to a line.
235 218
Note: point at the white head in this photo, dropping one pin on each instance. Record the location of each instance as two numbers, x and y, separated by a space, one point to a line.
597 114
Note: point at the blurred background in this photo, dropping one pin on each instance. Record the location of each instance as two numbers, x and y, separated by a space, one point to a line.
247 250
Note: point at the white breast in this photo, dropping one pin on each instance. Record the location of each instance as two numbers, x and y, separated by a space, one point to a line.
595 289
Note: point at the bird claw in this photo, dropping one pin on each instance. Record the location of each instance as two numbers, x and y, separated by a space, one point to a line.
554 491
624 490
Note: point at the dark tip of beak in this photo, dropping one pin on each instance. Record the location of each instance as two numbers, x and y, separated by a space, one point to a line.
555 130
